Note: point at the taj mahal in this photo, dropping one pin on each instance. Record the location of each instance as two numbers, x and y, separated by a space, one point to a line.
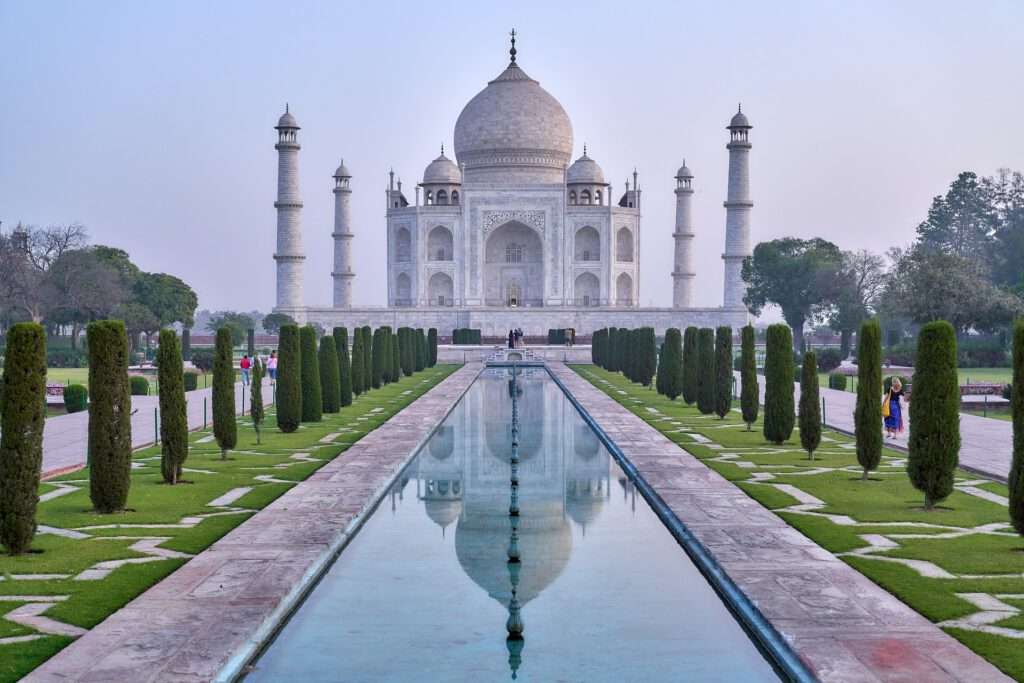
509 233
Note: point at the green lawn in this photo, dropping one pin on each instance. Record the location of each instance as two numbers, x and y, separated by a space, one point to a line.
967 376
152 502
81 376
987 560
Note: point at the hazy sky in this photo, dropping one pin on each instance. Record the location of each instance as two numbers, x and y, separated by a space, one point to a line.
152 123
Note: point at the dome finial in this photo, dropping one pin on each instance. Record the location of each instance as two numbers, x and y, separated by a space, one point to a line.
513 50
285 107
739 108
442 149
584 149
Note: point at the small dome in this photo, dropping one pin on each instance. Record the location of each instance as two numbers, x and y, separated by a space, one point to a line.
739 120
287 120
342 171
684 171
585 171
442 170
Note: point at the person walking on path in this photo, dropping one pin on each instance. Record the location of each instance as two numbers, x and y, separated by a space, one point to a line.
272 366
245 365
892 409
511 339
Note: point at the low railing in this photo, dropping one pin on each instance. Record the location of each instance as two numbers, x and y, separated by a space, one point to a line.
520 303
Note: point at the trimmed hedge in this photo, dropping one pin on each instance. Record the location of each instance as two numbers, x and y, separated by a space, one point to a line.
1016 480
706 384
312 397
867 415
110 426
139 385
202 359
21 441
723 371
432 347
76 398
691 365
173 410
191 380
329 375
288 397
837 380
934 443
779 417
225 428
810 406
465 336
750 398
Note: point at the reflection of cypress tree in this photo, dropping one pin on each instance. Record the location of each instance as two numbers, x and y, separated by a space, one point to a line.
289 383
723 371
934 444
691 365
706 371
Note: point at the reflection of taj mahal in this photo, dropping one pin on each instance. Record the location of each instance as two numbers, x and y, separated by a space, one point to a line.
510 233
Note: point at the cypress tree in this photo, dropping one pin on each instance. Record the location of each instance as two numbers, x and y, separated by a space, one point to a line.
810 405
225 429
421 350
110 425
706 384
691 365
934 444
186 344
330 391
289 379
385 375
406 351
673 361
357 361
367 358
595 354
344 367
749 392
21 439
396 362
649 346
1016 479
778 384
256 410
723 371
659 377
377 362
867 416
312 396
173 412
611 347
432 344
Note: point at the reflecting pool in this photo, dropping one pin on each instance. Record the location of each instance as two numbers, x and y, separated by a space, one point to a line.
426 592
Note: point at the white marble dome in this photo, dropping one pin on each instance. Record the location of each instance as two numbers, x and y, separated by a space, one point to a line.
513 123
585 171
442 170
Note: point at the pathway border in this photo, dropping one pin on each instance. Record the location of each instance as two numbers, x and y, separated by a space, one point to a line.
206 620
842 625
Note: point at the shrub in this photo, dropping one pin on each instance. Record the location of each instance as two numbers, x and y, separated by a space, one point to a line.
377 362
139 385
829 359
465 336
289 382
723 371
672 362
76 398
173 410
867 416
810 406
706 384
934 443
110 427
344 367
837 380
65 358
1016 479
750 397
191 381
358 379
202 359
779 415
256 410
21 439
225 429
312 399
329 376
691 365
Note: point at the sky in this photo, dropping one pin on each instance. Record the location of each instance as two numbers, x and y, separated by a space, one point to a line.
152 123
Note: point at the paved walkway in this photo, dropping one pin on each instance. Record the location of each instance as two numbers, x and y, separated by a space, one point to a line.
986 444
66 437
220 606
843 626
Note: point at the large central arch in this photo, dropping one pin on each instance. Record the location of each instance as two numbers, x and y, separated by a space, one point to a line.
514 266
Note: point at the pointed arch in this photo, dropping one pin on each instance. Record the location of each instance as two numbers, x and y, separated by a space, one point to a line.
624 290
624 245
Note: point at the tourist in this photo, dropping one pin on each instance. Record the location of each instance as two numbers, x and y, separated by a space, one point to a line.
892 409
245 365
272 366
511 339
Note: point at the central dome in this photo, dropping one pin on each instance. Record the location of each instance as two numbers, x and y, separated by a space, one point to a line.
513 128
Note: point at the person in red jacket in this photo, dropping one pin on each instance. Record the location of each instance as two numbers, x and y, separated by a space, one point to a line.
246 364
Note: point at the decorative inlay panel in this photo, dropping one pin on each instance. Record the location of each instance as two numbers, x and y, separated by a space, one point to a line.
494 219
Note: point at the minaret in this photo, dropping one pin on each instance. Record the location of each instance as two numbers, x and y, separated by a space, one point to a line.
342 239
682 274
289 254
737 210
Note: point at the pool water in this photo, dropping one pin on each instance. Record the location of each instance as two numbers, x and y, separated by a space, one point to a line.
424 592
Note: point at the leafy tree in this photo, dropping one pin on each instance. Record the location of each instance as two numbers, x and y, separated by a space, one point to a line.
85 288
235 323
329 375
810 406
357 361
344 366
170 299
867 416
1016 479
110 427
749 391
858 286
186 344
26 257
312 399
672 362
934 443
225 429
1007 190
961 222
256 410
289 380
173 409
778 381
691 365
138 319
272 322
723 371
706 371
796 275
21 439
432 344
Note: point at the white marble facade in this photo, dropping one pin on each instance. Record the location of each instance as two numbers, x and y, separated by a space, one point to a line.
509 233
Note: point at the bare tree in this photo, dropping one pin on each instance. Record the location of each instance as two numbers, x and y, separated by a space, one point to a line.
26 255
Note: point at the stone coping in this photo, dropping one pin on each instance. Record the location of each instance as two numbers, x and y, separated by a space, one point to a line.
841 624
205 620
